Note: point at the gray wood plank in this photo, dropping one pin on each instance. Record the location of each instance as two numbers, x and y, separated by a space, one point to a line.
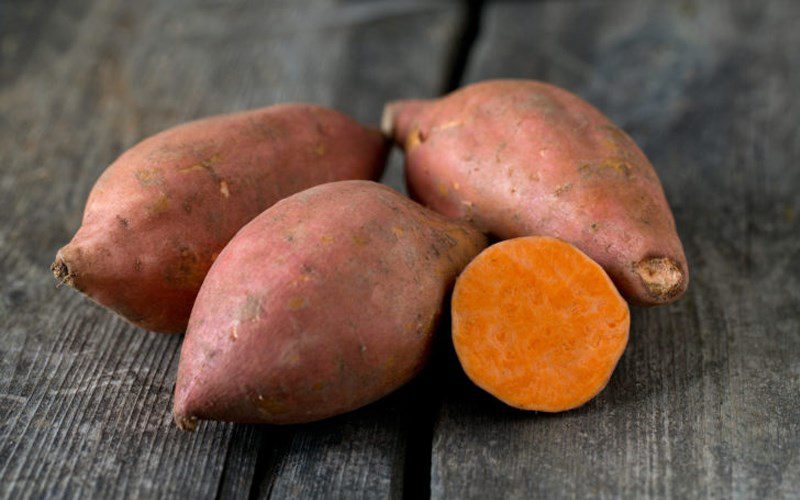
85 398
345 453
706 400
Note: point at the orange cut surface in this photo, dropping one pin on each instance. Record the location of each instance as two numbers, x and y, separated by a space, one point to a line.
538 324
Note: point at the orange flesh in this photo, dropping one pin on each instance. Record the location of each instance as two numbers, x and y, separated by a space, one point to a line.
538 324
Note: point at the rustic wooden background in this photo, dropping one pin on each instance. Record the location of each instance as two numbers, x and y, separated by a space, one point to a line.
706 400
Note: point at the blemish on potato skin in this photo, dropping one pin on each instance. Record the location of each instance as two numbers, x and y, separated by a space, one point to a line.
562 189
327 239
223 188
469 208
149 176
160 206
320 150
208 165
297 303
305 274
302 279
250 310
500 149
447 240
260 129
190 201
618 165
398 232
138 266
190 270
123 222
616 136
269 406
360 240
318 125
414 139
447 125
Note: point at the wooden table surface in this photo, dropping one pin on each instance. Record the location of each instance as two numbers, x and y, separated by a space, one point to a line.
706 400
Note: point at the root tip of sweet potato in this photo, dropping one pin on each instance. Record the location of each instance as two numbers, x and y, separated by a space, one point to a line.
662 277
62 272
387 120
186 422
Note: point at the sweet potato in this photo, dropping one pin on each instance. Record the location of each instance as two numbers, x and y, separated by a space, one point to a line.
522 158
159 215
323 303
538 324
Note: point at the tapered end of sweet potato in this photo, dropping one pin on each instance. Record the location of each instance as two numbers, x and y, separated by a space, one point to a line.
185 422
387 120
663 278
182 413
62 272
399 117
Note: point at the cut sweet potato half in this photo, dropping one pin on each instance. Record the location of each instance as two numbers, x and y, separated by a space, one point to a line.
538 324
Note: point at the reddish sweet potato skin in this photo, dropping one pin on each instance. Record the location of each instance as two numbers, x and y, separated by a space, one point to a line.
159 215
521 158
325 302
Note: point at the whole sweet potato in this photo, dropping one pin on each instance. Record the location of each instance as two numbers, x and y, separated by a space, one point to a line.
524 158
323 303
159 215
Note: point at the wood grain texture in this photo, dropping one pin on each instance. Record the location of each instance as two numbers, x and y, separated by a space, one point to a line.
85 399
706 400
349 454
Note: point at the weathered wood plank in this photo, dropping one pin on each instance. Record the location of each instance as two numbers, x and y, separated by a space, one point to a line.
346 453
706 400
85 398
